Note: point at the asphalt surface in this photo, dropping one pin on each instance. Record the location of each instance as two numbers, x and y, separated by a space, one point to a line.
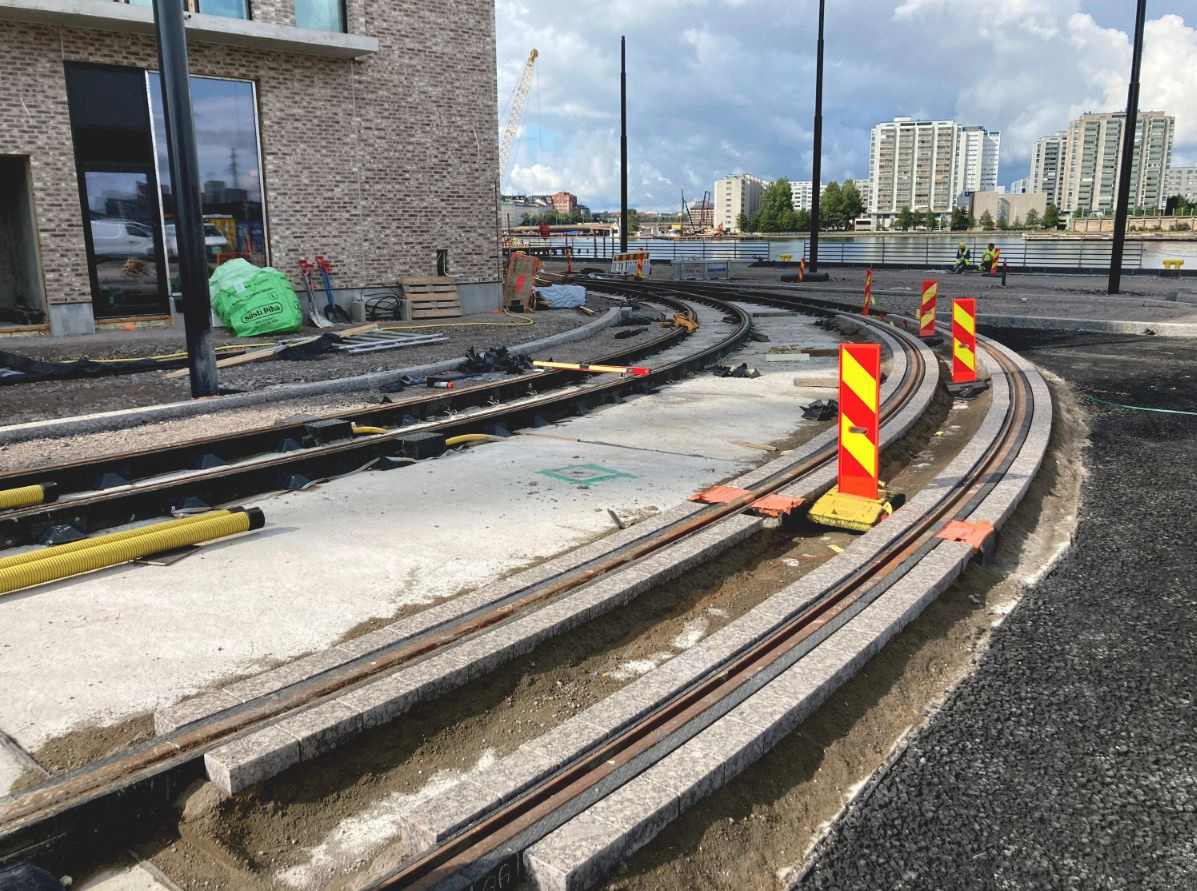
1069 758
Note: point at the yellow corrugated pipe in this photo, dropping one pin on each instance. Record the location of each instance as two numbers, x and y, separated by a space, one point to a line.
359 430
468 437
26 496
152 540
100 540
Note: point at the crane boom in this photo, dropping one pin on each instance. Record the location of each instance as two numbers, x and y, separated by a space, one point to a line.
515 116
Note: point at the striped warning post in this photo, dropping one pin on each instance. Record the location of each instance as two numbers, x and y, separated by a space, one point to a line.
801 270
964 340
860 397
868 297
927 309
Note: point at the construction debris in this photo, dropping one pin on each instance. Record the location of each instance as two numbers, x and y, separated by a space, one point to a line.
741 370
821 410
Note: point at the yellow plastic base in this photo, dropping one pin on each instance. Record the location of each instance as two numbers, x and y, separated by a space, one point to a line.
850 511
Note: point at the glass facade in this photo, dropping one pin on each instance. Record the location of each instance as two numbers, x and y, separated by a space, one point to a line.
320 15
123 167
226 136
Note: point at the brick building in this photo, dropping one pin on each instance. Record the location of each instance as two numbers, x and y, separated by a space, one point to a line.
363 130
565 202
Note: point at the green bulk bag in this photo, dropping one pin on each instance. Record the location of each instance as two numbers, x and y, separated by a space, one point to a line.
262 302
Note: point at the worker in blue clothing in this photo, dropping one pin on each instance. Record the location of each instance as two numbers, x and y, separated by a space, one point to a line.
964 258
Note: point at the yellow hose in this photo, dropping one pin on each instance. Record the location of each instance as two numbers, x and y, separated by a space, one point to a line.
152 540
99 541
22 497
468 437
359 430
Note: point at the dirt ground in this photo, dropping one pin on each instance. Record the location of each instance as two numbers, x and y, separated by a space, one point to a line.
306 827
21 403
754 832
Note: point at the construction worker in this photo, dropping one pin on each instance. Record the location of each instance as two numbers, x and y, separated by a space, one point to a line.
964 258
988 258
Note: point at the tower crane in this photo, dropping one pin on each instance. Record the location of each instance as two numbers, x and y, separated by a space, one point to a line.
515 115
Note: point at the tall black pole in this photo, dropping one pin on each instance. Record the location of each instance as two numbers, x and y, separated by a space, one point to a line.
623 148
185 183
1128 151
817 173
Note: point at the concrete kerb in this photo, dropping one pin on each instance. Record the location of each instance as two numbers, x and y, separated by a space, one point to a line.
239 765
133 417
579 853
1088 326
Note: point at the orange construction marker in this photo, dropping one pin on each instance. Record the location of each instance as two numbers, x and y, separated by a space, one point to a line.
801 270
927 309
634 370
860 399
868 295
964 340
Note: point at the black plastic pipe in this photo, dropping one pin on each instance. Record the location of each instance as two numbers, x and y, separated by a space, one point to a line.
1122 208
185 182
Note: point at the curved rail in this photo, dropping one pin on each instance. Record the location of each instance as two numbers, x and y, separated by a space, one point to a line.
703 701
82 800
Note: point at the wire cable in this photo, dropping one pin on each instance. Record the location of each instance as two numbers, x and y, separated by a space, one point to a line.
1165 411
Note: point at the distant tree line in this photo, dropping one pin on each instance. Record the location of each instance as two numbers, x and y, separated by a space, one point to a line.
553 218
839 206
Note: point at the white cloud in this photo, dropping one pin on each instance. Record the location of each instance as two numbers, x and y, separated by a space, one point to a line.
721 86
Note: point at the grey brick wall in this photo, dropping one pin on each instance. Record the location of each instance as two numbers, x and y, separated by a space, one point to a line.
375 163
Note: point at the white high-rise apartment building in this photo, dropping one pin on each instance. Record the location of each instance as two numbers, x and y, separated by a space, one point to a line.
1181 181
1093 157
977 159
925 165
737 194
1047 167
801 192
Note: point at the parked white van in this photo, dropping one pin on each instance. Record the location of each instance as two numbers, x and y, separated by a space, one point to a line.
122 238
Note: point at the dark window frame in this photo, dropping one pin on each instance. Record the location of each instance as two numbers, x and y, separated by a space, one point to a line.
197 7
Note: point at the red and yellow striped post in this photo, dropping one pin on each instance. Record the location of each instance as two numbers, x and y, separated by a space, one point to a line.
927 309
640 259
868 298
997 261
569 260
860 397
964 340
801 269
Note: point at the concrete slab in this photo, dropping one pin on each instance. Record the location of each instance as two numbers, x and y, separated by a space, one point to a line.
123 878
11 769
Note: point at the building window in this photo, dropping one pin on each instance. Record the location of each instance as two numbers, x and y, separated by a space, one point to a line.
320 15
226 135
233 9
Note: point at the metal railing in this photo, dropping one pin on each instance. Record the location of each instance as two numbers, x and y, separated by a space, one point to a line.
672 249
935 253
1047 255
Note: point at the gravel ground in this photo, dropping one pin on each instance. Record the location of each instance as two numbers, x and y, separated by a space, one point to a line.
31 402
1069 758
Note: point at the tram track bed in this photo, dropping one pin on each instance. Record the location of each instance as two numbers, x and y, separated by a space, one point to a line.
741 526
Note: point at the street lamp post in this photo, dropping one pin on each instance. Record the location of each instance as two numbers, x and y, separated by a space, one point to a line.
185 183
816 172
1128 150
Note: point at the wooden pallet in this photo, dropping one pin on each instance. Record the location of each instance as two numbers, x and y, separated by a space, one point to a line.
429 297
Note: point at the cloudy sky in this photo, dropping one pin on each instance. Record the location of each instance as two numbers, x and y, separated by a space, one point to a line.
724 86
